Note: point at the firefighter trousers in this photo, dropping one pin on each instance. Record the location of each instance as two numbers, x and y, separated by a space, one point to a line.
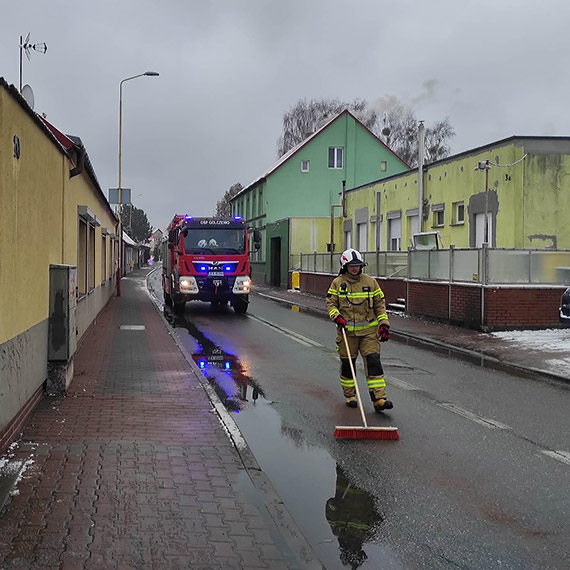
368 347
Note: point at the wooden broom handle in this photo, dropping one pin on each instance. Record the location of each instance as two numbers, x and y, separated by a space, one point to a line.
354 378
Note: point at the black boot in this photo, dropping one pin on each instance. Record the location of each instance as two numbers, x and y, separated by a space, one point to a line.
381 405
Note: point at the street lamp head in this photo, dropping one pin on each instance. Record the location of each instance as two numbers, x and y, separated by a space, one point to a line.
152 73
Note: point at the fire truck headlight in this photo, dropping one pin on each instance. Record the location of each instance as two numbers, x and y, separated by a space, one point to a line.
242 284
188 285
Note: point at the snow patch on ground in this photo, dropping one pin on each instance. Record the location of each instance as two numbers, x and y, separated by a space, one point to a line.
548 340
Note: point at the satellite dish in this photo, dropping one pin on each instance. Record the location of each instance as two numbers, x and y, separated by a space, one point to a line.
28 95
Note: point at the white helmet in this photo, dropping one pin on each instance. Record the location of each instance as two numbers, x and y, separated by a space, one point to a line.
202 243
213 243
351 257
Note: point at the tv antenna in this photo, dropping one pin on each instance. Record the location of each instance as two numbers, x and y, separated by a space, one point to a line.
27 47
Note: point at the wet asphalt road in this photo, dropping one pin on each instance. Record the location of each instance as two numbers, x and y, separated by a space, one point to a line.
479 478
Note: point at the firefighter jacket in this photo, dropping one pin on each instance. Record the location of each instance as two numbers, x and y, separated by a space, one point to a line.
360 301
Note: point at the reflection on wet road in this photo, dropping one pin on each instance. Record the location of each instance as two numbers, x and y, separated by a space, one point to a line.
223 370
352 518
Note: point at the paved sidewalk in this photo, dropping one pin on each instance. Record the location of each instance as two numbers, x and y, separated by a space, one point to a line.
135 468
485 349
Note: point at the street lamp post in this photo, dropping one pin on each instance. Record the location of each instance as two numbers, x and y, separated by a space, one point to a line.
120 267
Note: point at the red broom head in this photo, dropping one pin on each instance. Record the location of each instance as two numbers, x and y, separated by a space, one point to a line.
346 432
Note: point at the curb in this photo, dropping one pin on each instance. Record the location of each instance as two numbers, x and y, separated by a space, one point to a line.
299 551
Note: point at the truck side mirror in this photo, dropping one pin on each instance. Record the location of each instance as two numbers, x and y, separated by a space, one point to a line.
256 240
171 237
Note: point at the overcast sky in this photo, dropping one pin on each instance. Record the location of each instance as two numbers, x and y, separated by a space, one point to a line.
229 69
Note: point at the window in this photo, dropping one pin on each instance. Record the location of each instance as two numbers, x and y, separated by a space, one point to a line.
438 215
362 237
305 165
383 165
336 157
260 201
438 218
87 221
347 240
82 258
394 230
458 213
103 258
91 257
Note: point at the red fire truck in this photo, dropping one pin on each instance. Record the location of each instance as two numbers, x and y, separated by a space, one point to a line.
207 259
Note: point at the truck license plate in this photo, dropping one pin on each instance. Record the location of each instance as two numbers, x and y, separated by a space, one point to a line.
216 274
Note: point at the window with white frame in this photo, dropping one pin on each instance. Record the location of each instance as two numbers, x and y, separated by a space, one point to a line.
305 165
383 165
458 213
336 157
347 239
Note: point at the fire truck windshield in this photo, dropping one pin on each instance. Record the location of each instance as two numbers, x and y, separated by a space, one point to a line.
215 240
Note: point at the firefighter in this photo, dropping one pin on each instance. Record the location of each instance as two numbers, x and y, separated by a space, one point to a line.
355 302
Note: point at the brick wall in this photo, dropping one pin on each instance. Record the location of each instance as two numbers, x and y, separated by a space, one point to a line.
465 309
522 308
428 299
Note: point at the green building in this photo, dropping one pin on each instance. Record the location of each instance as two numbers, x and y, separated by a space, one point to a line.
305 183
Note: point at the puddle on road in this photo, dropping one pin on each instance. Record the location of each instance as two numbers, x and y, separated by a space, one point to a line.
223 370
338 519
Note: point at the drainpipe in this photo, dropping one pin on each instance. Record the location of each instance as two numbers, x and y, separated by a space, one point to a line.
331 245
421 154
484 269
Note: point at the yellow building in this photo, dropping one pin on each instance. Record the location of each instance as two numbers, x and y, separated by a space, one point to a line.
53 213
521 185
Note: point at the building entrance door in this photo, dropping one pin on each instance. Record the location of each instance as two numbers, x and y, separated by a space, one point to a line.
275 276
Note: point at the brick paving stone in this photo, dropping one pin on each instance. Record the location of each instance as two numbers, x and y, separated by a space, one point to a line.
131 469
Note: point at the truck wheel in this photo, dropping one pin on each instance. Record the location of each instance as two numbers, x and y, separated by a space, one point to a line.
240 304
179 307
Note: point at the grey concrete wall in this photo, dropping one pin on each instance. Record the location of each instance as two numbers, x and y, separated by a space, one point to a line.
23 369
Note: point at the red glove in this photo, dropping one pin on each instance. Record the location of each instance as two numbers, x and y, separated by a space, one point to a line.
340 322
384 332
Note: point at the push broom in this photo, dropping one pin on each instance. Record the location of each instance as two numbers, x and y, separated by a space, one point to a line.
365 431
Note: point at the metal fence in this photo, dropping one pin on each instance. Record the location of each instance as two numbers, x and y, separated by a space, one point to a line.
486 266
380 264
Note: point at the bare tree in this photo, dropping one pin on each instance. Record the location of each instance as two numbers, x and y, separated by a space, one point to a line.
305 117
399 128
223 206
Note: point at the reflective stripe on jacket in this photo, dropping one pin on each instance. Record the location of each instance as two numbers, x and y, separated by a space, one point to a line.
360 301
